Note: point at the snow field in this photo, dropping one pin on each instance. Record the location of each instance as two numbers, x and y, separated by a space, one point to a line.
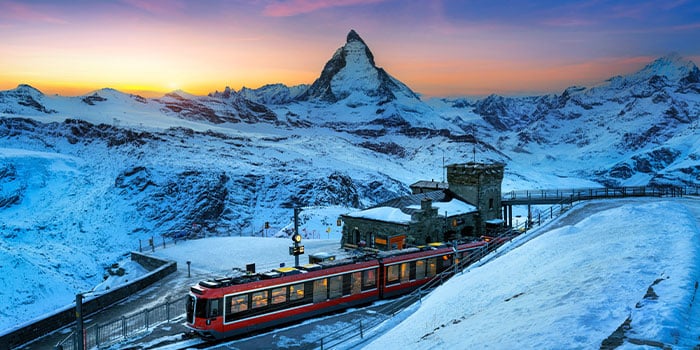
570 288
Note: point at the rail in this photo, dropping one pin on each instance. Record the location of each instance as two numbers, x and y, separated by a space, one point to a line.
126 327
552 196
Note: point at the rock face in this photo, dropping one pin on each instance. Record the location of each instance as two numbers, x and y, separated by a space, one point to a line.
352 74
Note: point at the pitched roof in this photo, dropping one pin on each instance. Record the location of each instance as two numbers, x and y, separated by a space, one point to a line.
399 210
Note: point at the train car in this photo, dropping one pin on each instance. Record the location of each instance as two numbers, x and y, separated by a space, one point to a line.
227 307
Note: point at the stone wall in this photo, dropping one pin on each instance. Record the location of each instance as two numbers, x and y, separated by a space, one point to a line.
428 226
480 185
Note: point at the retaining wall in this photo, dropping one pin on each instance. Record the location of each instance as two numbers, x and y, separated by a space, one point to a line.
35 329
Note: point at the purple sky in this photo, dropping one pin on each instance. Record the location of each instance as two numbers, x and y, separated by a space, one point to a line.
438 48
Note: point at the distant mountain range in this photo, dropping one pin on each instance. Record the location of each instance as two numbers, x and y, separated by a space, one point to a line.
103 170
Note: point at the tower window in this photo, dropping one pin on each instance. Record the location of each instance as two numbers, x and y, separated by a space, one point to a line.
490 203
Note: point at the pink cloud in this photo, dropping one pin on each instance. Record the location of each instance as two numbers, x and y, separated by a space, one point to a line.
568 22
296 7
26 13
158 7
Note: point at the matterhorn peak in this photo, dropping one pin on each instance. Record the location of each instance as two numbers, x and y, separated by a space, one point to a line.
353 36
352 74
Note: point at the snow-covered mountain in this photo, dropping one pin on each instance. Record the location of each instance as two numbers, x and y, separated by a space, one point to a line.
352 75
107 169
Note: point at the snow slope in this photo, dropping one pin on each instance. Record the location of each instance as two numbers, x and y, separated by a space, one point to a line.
572 287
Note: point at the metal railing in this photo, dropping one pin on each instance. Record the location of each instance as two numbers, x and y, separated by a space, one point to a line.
602 192
126 327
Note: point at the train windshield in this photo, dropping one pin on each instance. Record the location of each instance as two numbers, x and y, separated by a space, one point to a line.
196 307
190 309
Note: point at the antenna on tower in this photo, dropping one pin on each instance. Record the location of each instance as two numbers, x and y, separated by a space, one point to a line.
443 166
474 151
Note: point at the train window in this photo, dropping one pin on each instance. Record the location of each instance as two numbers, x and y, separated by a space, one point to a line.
214 308
279 295
336 287
404 272
347 282
432 267
392 274
259 299
369 279
296 291
236 303
420 269
356 282
320 290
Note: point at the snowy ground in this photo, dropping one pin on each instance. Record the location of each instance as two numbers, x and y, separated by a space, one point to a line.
572 286
567 285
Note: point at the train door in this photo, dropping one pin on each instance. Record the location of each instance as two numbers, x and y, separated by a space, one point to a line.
380 279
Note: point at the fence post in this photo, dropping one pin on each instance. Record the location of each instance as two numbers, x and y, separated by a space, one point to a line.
145 317
361 333
167 309
124 327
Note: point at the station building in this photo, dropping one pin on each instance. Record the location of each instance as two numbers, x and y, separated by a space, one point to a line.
463 207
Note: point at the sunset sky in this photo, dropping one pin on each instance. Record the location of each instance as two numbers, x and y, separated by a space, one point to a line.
438 48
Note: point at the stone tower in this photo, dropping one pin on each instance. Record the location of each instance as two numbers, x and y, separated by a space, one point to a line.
480 185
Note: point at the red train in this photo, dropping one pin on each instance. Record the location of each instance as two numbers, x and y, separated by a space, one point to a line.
232 306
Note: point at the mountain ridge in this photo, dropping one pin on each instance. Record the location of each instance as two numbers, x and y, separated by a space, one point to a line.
84 178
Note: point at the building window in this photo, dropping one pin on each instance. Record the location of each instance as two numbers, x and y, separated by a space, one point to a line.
490 203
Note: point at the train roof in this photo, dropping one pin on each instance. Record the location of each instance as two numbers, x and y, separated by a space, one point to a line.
243 277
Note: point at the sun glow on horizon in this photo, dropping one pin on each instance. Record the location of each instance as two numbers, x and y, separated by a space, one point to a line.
73 48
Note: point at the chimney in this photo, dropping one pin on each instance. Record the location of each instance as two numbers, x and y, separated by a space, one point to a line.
426 204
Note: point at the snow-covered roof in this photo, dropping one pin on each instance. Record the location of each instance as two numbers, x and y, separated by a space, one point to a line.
452 208
387 214
395 215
